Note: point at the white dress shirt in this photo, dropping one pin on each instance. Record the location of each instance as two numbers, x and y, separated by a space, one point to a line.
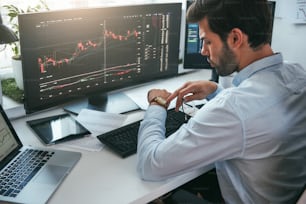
254 133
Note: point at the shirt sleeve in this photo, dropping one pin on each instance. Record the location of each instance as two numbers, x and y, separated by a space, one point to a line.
202 141
212 95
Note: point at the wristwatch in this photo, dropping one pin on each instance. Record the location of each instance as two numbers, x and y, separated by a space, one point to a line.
160 101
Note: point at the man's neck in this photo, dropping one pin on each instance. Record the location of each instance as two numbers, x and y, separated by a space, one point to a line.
249 55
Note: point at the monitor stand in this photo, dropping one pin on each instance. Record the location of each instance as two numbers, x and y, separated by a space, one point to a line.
214 76
111 103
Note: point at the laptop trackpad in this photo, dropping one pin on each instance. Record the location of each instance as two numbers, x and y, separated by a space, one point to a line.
51 174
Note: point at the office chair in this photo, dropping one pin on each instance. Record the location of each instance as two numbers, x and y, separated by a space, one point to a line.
182 196
202 190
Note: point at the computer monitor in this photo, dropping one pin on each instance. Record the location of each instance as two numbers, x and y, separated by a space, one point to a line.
92 52
192 52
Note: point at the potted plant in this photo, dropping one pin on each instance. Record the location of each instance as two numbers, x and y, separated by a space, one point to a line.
13 12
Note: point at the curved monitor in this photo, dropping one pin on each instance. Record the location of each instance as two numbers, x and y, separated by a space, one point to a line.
71 54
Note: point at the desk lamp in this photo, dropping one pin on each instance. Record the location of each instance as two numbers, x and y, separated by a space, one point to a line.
6 34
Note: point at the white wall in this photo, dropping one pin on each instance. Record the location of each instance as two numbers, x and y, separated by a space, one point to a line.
289 38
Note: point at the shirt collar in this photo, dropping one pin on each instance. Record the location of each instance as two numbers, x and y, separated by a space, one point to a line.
257 66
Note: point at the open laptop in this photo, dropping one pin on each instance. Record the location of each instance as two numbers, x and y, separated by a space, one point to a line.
48 167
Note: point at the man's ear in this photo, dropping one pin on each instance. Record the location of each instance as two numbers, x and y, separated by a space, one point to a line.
235 38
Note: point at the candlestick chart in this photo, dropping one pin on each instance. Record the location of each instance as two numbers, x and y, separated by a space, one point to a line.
112 56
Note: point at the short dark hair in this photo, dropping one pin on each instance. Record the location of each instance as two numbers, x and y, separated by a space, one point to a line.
252 17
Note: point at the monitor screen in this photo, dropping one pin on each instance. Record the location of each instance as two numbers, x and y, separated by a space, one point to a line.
71 54
192 52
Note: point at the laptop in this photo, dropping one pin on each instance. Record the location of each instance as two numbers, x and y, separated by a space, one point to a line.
27 174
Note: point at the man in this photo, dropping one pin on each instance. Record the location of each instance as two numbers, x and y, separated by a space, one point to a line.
255 131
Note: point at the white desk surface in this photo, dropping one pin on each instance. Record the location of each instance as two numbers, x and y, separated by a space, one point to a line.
104 177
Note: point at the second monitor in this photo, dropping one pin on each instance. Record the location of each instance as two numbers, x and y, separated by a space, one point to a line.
89 52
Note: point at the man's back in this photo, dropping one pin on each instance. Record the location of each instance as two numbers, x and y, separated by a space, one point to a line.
270 101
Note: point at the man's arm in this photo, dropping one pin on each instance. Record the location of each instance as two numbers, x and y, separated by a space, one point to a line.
196 90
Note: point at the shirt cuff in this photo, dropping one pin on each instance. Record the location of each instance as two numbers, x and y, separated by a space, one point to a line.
157 112
212 95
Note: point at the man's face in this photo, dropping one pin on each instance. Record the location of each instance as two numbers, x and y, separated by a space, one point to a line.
219 55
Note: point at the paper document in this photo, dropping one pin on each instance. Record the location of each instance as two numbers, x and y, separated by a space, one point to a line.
139 94
97 122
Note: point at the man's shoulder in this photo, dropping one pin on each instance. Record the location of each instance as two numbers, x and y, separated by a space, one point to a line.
294 76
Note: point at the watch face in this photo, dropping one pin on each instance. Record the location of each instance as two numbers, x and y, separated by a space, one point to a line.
160 101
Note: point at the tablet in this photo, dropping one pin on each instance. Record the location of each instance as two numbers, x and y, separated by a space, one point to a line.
58 128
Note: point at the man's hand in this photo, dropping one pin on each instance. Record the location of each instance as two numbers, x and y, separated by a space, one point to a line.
162 93
195 90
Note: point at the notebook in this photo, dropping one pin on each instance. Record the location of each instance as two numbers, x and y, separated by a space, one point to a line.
27 174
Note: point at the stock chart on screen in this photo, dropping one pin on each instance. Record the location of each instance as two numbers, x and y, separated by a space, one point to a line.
73 53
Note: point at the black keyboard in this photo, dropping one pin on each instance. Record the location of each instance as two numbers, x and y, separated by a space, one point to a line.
123 140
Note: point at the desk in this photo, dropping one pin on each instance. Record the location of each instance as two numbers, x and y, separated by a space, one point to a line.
103 177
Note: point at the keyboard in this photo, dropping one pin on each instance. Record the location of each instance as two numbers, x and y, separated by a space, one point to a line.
20 172
123 140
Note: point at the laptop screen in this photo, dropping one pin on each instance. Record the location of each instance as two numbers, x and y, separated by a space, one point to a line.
9 142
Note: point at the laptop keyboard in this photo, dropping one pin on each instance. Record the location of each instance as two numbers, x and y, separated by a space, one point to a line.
123 140
15 177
